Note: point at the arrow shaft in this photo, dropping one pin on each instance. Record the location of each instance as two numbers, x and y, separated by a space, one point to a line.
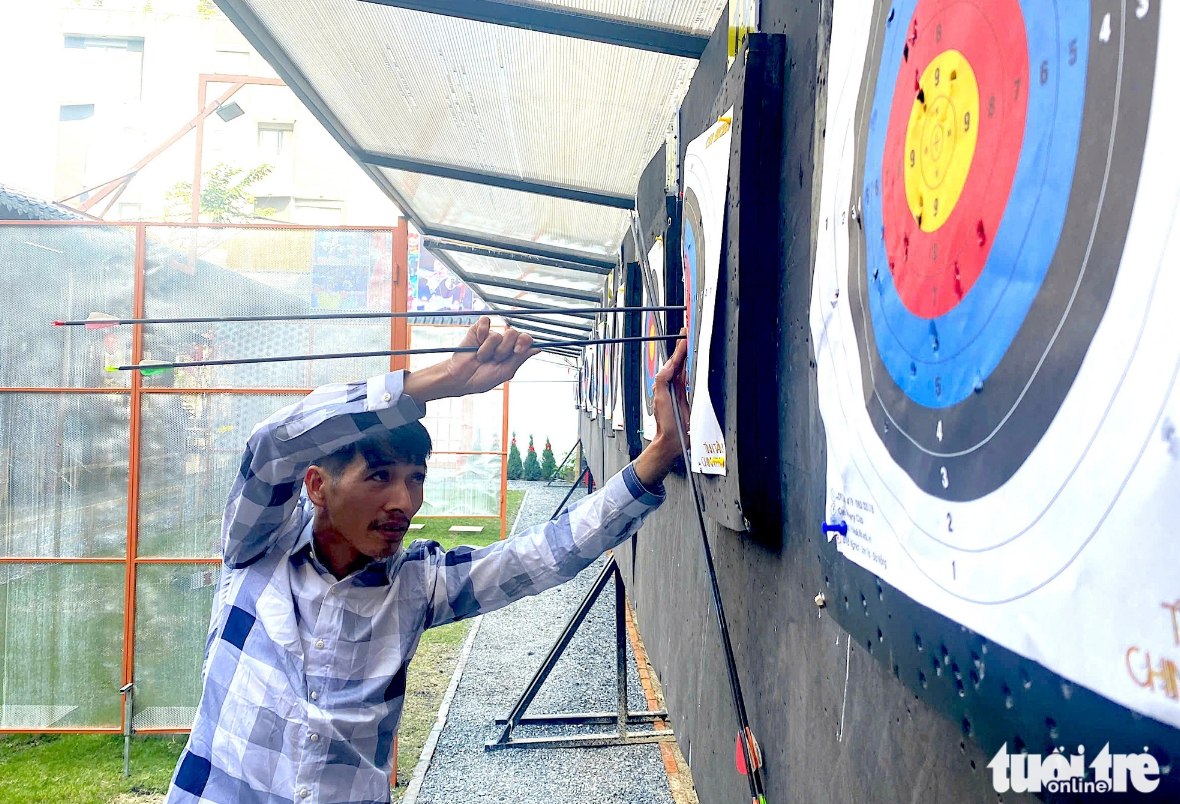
366 314
240 361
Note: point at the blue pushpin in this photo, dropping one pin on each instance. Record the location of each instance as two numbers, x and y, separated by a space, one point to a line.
840 527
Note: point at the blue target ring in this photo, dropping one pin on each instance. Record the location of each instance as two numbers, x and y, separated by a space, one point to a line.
939 362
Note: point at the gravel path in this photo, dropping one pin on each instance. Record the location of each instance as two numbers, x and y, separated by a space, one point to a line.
508 649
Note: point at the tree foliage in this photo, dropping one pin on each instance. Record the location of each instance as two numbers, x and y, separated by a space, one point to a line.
532 467
548 462
515 469
225 198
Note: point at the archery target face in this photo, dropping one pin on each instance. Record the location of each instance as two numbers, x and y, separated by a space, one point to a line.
693 246
997 283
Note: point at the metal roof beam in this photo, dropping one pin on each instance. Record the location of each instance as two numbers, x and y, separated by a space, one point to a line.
434 244
535 329
542 318
519 246
551 309
428 168
533 287
494 301
564 22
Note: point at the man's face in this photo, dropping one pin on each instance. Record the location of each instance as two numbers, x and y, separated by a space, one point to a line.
369 507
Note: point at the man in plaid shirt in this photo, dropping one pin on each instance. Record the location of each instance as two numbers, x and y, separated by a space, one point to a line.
320 606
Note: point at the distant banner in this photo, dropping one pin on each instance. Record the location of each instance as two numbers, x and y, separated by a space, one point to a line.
433 286
351 270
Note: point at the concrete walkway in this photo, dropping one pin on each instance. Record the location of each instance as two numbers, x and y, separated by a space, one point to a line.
509 647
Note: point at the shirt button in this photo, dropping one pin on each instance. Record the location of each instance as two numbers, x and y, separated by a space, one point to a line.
314 695
315 738
386 397
304 793
319 643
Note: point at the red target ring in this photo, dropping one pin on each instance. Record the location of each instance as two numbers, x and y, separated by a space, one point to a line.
933 270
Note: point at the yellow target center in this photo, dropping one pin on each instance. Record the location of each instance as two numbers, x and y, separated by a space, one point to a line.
940 138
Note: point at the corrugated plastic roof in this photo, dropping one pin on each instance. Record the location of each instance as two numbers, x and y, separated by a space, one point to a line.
519 127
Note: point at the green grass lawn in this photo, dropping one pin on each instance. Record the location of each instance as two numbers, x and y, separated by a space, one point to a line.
84 768
438 529
88 768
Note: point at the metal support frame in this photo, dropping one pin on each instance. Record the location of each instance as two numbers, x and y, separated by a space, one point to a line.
564 22
533 287
434 244
621 719
552 189
114 188
237 81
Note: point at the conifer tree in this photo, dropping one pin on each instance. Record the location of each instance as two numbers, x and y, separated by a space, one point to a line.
548 462
515 469
532 467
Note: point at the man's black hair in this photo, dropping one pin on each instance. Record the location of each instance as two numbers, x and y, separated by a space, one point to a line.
409 443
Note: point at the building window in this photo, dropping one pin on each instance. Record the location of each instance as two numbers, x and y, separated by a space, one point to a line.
231 62
105 67
76 111
130 211
275 139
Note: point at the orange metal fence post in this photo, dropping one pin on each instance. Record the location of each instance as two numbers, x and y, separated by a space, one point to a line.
504 468
399 328
393 773
133 471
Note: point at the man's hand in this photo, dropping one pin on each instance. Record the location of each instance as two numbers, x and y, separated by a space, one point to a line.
496 361
657 458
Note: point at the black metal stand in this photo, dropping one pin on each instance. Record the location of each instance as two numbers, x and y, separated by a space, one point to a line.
571 491
621 719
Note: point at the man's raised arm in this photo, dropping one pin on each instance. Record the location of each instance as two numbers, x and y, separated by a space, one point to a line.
465 581
266 493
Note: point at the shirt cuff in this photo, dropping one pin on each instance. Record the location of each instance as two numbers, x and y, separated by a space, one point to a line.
385 390
638 490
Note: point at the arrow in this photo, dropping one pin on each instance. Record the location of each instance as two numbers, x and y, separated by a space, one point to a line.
152 367
747 750
104 320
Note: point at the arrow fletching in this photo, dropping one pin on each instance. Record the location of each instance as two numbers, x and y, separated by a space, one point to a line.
148 368
96 321
752 747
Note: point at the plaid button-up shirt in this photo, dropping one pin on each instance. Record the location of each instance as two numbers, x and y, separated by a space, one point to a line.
304 675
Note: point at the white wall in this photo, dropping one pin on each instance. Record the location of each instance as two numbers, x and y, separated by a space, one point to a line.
180 43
